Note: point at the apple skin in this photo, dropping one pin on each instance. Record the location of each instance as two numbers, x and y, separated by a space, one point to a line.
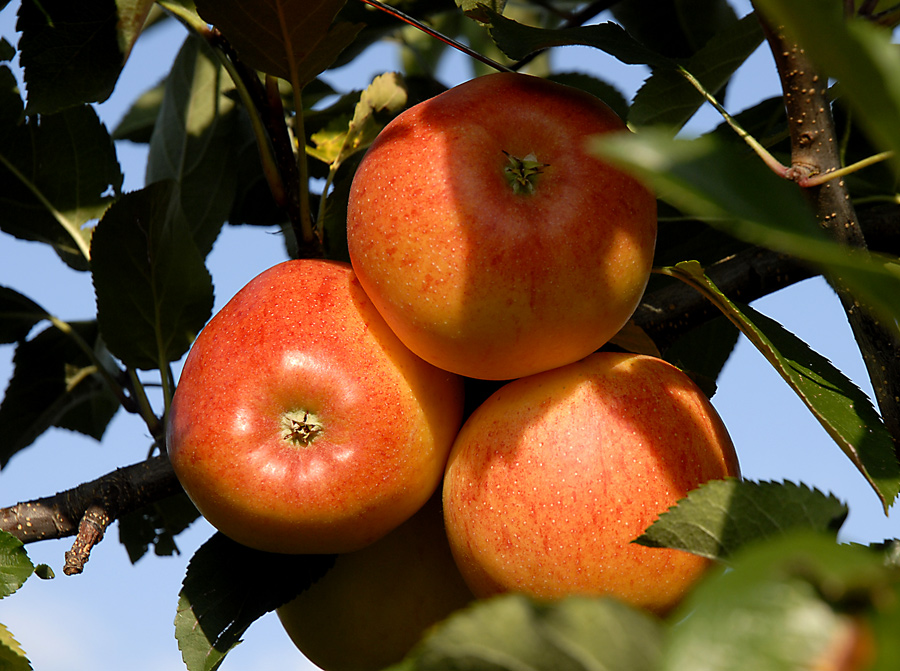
554 475
302 340
375 604
478 279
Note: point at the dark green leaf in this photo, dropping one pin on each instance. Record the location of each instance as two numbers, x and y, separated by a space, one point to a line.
70 52
292 40
15 566
12 657
596 87
513 633
18 314
667 97
703 352
675 28
156 524
842 409
138 122
737 194
55 176
54 383
192 143
227 587
154 293
518 41
858 54
723 516
781 607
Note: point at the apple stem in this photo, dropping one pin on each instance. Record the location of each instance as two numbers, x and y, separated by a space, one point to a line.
522 173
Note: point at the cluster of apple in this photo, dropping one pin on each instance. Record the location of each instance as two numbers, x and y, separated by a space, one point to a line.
322 410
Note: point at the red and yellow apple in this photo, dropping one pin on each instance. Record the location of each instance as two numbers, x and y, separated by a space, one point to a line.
489 237
301 424
554 475
374 605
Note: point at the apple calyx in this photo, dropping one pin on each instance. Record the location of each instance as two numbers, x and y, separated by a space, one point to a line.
301 428
522 173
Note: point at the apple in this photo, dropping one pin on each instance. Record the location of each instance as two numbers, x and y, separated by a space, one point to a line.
372 607
490 238
554 475
301 424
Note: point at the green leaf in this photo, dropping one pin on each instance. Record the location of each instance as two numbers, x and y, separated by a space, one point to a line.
667 97
132 15
138 122
782 606
12 657
596 87
154 293
15 566
70 52
512 633
842 409
227 587
518 41
192 143
378 103
858 54
156 524
703 351
292 40
475 9
737 194
54 383
18 314
721 517
675 28
55 176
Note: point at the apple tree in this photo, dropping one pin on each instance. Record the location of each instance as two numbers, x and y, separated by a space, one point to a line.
245 131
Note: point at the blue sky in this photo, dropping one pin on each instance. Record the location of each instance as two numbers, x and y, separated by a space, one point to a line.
117 615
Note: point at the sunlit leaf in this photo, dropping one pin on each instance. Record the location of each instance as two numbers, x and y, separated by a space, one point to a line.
383 98
723 516
12 657
229 586
192 144
513 633
783 606
154 293
138 122
15 566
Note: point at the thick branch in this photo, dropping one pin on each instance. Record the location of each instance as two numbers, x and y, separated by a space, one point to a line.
89 508
814 150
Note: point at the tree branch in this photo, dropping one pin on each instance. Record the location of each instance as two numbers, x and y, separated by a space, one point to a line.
665 314
814 151
86 511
